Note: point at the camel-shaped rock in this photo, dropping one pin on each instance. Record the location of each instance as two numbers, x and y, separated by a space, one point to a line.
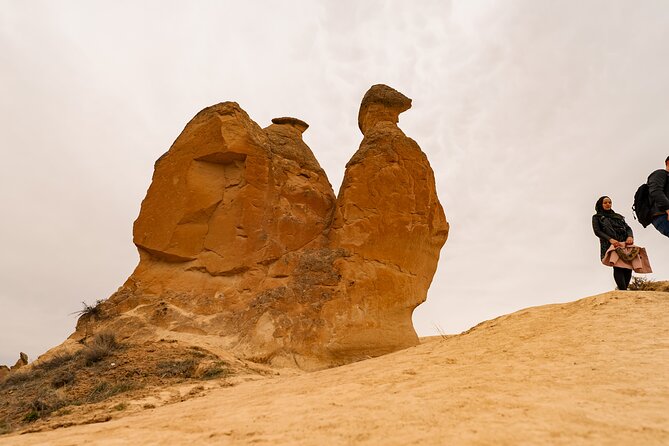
241 237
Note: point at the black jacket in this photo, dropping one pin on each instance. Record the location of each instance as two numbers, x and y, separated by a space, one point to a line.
610 228
658 187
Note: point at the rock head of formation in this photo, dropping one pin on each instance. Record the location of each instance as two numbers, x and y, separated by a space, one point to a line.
242 239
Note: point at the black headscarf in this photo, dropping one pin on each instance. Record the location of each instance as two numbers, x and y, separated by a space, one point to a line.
599 208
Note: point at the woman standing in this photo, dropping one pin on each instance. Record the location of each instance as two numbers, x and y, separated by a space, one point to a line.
611 229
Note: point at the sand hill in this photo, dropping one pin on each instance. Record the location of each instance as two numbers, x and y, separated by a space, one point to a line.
594 371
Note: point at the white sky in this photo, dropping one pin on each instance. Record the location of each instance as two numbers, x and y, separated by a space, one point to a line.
528 110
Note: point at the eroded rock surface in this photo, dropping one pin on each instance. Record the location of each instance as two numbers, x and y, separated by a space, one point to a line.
389 219
241 237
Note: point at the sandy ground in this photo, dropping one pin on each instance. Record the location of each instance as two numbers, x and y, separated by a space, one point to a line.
594 372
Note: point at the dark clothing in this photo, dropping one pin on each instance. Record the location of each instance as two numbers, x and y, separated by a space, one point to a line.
661 223
658 188
610 226
622 276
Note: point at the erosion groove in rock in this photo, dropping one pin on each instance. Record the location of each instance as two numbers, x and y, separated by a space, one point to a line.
241 237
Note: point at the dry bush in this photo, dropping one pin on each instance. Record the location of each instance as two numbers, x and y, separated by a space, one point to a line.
185 368
44 404
644 284
198 352
62 379
93 311
5 427
31 416
56 362
102 345
120 407
18 377
104 390
217 370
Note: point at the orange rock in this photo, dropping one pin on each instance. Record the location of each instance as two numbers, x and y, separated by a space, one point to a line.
240 236
389 219
21 362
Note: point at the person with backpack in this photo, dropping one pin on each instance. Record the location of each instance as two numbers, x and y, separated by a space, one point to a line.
612 230
658 190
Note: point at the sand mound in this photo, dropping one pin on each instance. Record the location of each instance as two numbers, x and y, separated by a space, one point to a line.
589 372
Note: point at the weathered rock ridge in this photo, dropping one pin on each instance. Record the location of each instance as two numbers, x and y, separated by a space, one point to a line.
241 237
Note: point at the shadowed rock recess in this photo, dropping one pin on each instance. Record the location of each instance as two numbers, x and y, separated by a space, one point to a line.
242 239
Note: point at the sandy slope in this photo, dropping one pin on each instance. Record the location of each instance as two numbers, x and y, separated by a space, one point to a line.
595 371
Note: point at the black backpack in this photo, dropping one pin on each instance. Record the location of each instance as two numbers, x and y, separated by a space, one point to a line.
642 206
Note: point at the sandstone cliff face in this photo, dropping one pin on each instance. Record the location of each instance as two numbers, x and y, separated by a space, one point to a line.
241 237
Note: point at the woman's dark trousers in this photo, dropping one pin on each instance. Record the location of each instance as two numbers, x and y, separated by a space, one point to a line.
622 276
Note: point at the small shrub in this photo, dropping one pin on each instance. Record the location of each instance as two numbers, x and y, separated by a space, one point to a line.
261 359
62 379
639 283
643 284
184 368
218 370
20 377
120 407
5 428
99 390
123 387
196 390
31 416
47 402
55 362
40 405
102 345
198 352
93 311
104 390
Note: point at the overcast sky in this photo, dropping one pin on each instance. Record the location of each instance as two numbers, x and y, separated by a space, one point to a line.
528 111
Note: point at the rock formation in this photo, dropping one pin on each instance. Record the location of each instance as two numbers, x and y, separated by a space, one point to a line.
389 220
240 236
20 363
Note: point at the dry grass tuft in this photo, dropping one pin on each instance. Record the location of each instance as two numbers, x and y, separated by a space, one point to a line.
56 362
218 370
184 369
639 283
105 389
102 345
21 377
93 311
